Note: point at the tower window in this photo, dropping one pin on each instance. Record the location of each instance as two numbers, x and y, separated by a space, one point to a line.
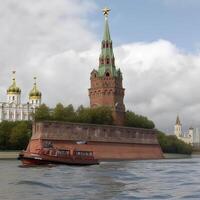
102 61
103 45
107 74
106 44
107 60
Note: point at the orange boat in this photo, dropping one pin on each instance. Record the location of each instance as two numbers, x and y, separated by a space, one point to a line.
57 156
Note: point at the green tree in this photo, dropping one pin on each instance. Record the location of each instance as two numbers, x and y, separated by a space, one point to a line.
70 114
83 115
59 112
101 115
42 113
171 144
139 121
98 115
20 135
5 132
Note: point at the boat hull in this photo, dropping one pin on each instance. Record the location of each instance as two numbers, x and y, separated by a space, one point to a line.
28 159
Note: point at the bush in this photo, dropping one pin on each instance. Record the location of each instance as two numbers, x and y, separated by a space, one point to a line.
139 121
14 135
171 144
42 113
98 115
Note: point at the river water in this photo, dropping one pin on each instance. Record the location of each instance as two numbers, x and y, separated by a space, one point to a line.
160 179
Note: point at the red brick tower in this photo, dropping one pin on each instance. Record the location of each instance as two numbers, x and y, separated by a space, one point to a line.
106 82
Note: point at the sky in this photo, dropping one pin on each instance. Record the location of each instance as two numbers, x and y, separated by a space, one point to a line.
156 46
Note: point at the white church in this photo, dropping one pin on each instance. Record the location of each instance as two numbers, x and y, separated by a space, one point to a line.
13 109
191 137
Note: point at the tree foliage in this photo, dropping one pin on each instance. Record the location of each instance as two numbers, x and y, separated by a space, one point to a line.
139 121
14 135
171 144
98 115
42 113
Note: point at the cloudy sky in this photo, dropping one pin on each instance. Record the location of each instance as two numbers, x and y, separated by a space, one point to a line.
156 45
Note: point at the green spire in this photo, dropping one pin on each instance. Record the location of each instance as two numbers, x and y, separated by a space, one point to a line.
106 35
106 58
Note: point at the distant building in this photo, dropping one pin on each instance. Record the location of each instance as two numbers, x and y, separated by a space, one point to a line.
191 137
13 109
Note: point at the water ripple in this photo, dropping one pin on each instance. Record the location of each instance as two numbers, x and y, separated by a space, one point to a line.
157 179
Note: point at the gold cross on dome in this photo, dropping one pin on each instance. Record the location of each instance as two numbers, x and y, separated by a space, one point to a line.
106 11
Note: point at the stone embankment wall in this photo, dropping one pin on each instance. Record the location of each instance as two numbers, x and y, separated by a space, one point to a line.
107 142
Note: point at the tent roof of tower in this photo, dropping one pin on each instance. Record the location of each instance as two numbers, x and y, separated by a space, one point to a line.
178 122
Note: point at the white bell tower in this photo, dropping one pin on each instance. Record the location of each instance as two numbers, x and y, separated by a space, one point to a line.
178 128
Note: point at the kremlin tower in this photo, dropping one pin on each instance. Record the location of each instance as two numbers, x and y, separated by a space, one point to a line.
106 82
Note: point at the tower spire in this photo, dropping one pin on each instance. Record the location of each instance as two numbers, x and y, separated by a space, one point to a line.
106 35
178 122
13 74
106 58
35 80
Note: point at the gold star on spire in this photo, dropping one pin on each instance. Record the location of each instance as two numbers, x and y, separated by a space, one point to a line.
106 11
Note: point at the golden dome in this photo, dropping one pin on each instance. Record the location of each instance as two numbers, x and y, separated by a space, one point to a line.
13 89
35 93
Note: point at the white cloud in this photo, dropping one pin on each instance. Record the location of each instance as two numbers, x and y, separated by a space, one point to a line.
53 40
161 81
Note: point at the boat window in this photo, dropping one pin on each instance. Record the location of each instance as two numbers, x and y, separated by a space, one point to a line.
47 144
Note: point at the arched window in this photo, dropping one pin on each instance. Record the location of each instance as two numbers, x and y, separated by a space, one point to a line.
103 45
106 44
107 74
102 61
107 60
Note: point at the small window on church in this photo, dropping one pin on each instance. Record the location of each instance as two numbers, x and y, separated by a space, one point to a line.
107 74
103 45
101 60
106 44
107 60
